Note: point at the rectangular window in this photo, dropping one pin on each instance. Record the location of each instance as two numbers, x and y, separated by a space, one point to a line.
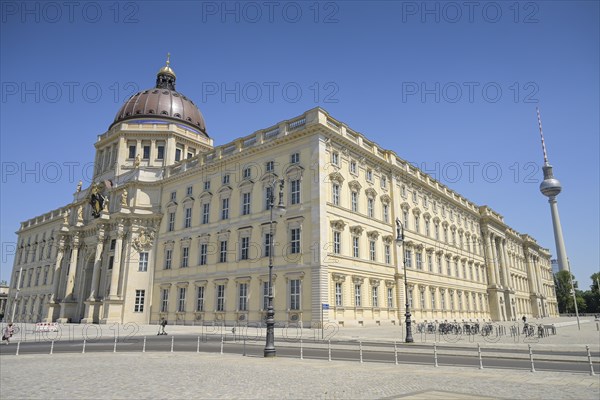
173 196
185 256
131 154
164 300
139 301
246 173
357 299
226 179
245 203
417 222
168 258
225 208
410 297
268 195
265 303
171 222
45 282
430 262
244 248
353 167
426 227
337 242
433 299
187 221
419 260
270 166
177 154
439 264
295 241
437 231
295 191
206 185
405 219
38 273
448 267
220 297
146 153
370 175
267 248
143 264
386 213
388 254
203 253
181 299
189 190
338 294
336 194
383 182
205 213
375 296
223 251
443 300
372 250
160 152
295 158
354 201
200 299
243 298
355 248
335 158
294 294
390 297
408 258
113 244
370 207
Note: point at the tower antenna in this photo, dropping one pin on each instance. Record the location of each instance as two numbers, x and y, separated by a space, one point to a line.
542 136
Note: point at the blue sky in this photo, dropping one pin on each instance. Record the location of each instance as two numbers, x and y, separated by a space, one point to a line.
450 87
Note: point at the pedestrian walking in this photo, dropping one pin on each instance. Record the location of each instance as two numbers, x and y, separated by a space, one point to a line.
161 327
8 332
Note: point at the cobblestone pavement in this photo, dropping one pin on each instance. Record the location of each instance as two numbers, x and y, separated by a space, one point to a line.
210 376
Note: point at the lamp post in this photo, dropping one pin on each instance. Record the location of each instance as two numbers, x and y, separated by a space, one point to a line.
14 305
400 240
270 340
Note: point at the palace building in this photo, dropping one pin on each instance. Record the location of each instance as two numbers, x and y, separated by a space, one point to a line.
175 226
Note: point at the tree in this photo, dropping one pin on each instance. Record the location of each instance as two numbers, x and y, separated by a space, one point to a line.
564 296
592 297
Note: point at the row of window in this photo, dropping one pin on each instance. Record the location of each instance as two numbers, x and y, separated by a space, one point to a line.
26 255
474 272
247 250
243 297
224 210
358 296
28 276
438 300
353 168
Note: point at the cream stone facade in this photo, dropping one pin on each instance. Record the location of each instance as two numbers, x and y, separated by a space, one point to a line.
181 231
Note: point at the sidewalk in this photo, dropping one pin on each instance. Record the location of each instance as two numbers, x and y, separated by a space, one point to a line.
209 376
568 337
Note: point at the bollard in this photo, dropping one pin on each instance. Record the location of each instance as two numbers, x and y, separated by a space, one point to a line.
83 349
144 345
435 363
51 347
360 350
531 358
329 349
198 345
480 360
597 327
172 343
589 356
19 346
244 354
221 344
115 346
395 353
301 350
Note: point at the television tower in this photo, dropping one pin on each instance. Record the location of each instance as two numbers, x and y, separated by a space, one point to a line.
551 187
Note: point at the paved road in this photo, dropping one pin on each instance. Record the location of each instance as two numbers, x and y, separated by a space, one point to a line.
340 351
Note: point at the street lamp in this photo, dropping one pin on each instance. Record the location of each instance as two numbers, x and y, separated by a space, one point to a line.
400 240
280 209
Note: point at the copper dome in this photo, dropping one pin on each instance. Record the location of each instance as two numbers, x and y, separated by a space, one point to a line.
162 102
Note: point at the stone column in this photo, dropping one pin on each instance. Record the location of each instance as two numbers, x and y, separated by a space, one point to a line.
69 295
490 259
57 270
503 258
97 264
495 259
116 270
531 275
